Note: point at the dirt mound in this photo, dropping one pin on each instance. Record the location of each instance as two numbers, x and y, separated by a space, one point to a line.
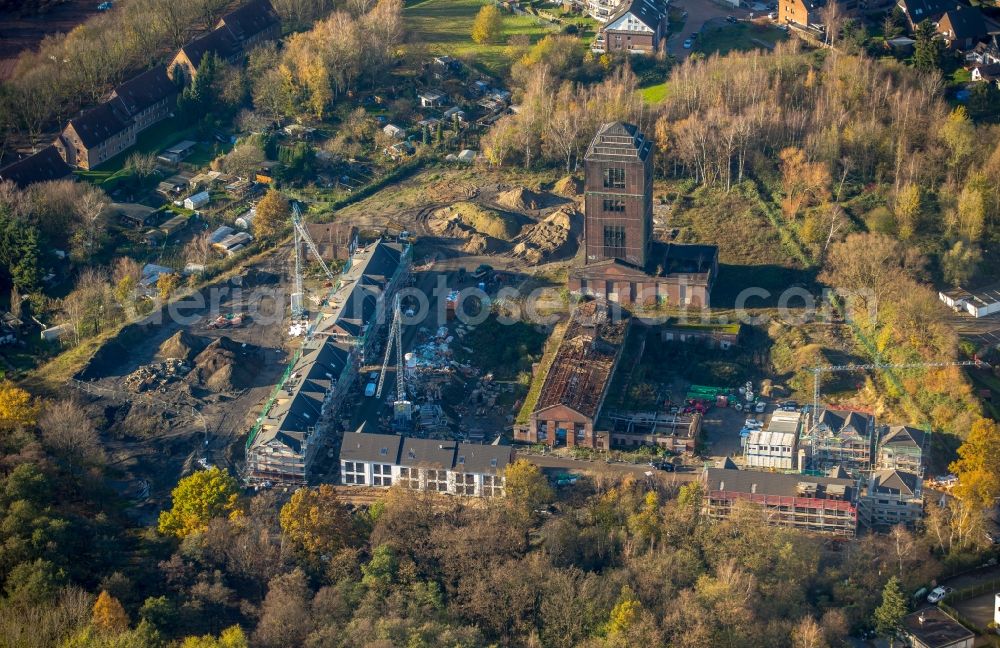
521 199
568 187
545 238
463 219
181 345
476 244
225 365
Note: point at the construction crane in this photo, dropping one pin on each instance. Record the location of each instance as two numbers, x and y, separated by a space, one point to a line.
402 408
299 235
818 371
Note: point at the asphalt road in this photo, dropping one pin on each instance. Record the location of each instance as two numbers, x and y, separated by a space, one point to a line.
699 12
554 463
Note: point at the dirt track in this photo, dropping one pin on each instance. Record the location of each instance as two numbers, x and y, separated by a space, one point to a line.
21 32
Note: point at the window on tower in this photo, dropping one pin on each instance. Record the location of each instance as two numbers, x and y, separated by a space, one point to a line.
614 241
614 178
612 205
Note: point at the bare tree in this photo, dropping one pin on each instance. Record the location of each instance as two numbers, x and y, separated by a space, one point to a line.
71 436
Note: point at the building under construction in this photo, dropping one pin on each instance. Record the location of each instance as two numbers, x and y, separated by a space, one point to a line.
577 381
819 504
296 418
839 438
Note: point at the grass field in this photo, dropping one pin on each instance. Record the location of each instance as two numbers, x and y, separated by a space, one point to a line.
723 38
446 27
654 94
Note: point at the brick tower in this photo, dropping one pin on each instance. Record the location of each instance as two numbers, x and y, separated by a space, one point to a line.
618 190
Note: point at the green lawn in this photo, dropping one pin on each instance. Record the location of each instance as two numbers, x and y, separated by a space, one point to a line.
724 38
446 27
152 140
654 94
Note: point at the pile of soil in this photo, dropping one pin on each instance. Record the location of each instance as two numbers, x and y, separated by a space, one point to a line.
476 244
181 345
545 238
520 199
225 365
568 187
464 219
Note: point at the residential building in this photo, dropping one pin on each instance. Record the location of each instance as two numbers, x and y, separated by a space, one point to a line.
985 53
601 10
95 136
449 467
636 27
573 390
622 262
183 67
932 627
979 302
810 13
901 447
252 23
293 426
819 504
839 438
775 447
146 98
962 27
892 497
43 166
917 11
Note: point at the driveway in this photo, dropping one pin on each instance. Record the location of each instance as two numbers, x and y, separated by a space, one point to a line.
698 13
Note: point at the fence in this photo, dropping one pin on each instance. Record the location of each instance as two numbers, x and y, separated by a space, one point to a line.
965 594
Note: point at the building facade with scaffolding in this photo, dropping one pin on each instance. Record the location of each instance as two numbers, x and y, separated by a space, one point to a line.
844 438
293 425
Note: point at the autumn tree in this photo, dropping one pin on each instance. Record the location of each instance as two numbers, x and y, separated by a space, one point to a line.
487 26
166 284
69 434
109 616
244 160
316 523
978 464
18 409
232 637
197 499
889 615
273 213
526 486
805 183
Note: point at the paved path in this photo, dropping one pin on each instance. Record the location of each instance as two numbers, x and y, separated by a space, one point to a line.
699 12
605 468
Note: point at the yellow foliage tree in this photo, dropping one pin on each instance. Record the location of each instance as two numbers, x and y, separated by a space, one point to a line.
316 522
230 638
272 217
167 283
197 499
624 614
526 486
17 408
978 464
907 210
108 615
487 26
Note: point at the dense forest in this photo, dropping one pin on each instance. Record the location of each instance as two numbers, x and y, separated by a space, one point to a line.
614 562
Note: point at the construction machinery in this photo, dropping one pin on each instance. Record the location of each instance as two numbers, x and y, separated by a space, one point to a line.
300 235
402 408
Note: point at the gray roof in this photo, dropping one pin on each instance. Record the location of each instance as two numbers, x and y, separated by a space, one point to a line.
144 90
650 12
98 124
619 141
788 485
483 459
903 436
362 446
838 420
250 19
220 42
934 628
920 10
966 22
895 482
42 166
428 453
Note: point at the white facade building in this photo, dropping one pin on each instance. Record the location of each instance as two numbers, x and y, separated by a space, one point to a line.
774 447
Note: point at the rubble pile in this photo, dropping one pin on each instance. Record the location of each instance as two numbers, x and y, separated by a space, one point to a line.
546 237
521 199
181 345
225 365
155 375
568 187
464 219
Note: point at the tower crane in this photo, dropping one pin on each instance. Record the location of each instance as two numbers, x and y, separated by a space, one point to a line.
299 235
402 408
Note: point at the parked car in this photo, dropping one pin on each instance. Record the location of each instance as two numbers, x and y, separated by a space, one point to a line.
760 406
790 406
731 20
370 389
783 28
688 43
772 16
938 593
665 466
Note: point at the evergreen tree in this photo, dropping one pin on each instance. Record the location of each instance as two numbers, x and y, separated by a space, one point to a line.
928 49
889 615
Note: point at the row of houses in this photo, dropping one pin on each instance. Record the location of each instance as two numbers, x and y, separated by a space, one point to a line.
384 460
834 502
284 444
106 130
